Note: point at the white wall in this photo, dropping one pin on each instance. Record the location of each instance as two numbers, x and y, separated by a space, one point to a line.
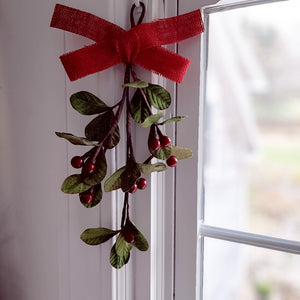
32 162
42 256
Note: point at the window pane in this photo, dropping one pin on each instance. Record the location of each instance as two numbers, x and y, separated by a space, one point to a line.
234 272
252 123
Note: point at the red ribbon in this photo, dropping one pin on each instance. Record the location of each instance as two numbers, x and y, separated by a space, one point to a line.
140 45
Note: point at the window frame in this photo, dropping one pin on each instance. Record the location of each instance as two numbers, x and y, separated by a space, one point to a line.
196 81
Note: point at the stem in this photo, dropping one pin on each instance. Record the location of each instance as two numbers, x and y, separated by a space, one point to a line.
130 153
117 104
118 113
134 75
127 203
148 159
125 211
143 93
147 103
87 154
160 134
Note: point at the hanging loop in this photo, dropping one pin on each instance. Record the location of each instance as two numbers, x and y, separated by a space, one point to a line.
132 22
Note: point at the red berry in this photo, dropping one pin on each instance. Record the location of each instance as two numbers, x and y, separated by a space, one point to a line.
77 162
154 144
172 161
141 183
165 141
129 237
88 168
133 189
86 198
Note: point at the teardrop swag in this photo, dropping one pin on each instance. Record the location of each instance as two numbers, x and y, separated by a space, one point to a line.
141 45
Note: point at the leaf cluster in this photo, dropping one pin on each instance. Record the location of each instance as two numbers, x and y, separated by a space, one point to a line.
120 252
98 130
99 134
127 175
103 133
146 97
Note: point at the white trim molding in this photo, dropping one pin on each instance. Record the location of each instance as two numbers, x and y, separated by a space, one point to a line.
250 239
188 176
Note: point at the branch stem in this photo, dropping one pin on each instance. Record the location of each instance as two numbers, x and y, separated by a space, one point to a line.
129 151
143 93
117 115
148 159
125 210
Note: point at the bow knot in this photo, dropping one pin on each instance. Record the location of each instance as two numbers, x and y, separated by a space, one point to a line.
127 46
141 45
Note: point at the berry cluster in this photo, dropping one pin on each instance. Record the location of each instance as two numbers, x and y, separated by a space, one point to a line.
87 165
158 141
140 184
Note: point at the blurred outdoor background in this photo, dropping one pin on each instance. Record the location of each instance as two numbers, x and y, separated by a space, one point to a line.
252 149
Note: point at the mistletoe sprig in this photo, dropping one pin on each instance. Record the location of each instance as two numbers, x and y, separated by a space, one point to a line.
141 45
102 133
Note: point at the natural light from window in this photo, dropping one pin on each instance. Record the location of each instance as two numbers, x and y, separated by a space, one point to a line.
252 149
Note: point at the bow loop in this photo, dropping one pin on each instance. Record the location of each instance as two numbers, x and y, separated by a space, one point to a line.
140 45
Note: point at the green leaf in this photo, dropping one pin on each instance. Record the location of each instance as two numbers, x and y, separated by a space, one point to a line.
151 120
120 252
136 84
118 261
140 241
97 196
96 236
149 168
87 103
75 140
158 96
174 119
100 170
181 153
114 181
122 247
129 176
113 140
138 108
74 185
99 127
162 153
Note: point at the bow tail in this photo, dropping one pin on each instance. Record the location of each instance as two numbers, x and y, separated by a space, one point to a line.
164 62
89 60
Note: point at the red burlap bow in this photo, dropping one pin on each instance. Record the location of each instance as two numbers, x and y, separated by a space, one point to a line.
140 45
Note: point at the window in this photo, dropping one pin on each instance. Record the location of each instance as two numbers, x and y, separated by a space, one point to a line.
221 247
248 156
